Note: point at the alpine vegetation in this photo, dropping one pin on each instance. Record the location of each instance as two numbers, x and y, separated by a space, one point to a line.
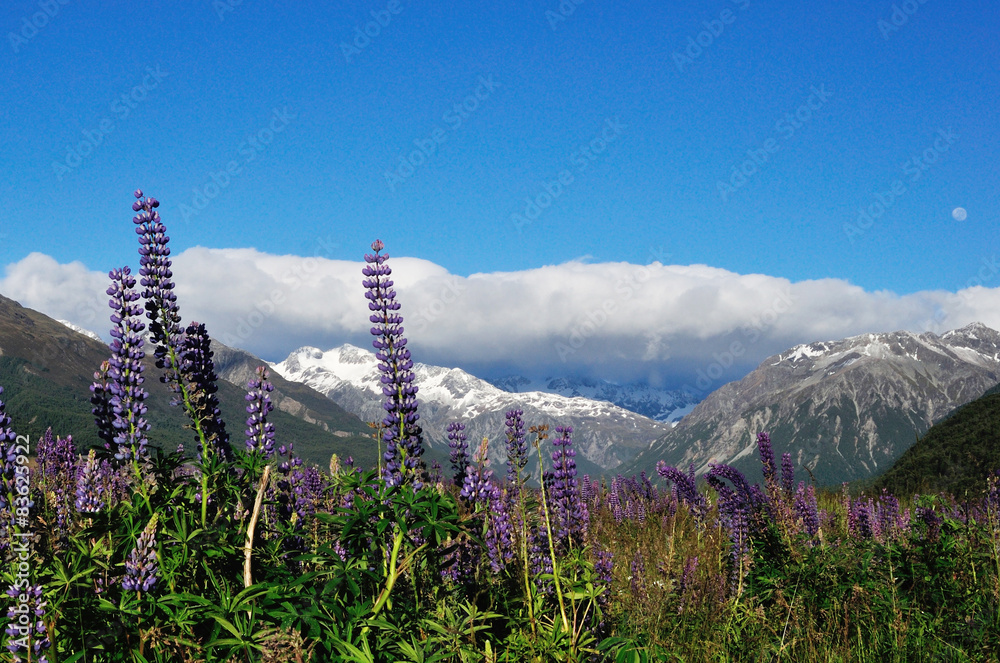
131 552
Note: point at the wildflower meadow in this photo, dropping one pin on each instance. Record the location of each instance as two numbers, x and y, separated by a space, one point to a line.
231 548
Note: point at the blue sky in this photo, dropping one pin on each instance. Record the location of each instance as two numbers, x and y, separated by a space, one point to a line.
645 111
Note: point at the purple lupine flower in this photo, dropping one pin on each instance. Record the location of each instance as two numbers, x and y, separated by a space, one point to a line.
615 500
56 460
517 446
499 535
8 478
459 451
766 456
88 487
539 557
604 564
787 475
127 397
198 369
104 415
161 301
687 489
477 486
401 433
570 511
29 638
57 468
260 432
291 495
887 514
861 516
140 568
435 476
806 508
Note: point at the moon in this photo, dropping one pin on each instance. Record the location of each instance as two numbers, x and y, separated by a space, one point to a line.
959 214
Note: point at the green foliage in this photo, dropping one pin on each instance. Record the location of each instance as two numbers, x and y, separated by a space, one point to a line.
954 456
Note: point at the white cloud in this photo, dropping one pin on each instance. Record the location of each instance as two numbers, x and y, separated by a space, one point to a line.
615 320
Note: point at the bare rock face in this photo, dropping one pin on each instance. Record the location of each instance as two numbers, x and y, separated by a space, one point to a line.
844 409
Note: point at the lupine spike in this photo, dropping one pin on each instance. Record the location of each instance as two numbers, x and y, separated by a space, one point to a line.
457 440
260 432
124 373
141 571
401 433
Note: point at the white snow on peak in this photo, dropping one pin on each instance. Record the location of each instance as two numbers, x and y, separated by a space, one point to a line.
452 388
81 330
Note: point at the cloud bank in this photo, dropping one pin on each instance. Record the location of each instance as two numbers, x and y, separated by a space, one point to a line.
671 325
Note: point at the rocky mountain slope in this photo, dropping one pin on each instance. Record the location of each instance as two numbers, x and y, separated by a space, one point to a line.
955 456
844 409
659 404
604 434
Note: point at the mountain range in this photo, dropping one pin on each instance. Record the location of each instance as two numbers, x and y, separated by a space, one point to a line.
604 434
844 409
660 404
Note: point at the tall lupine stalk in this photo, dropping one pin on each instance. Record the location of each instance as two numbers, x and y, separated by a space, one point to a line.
570 511
141 571
174 355
88 487
125 369
517 447
459 456
199 370
104 415
403 444
766 458
57 468
260 432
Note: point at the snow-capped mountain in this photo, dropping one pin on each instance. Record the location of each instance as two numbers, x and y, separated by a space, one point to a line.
603 433
80 330
844 409
659 404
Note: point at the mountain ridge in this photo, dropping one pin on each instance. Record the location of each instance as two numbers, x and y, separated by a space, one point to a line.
844 409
